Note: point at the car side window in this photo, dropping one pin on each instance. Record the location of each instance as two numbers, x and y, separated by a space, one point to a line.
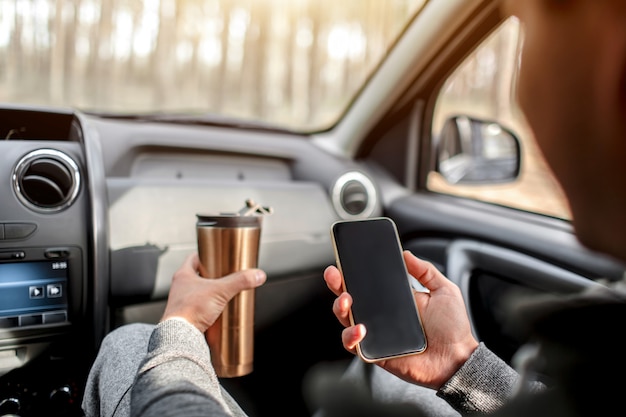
482 87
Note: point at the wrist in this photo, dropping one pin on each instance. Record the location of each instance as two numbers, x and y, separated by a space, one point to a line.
465 351
459 357
179 318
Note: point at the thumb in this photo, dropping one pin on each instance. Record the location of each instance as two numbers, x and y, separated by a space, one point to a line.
425 272
236 282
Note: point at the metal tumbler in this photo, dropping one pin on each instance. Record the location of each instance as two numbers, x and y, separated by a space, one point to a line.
228 243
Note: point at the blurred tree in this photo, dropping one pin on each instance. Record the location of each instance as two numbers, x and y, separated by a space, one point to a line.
262 59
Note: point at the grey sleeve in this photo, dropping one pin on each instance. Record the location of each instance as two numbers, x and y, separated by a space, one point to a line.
482 385
176 377
107 391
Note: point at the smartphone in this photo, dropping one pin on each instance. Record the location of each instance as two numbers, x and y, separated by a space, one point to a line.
369 256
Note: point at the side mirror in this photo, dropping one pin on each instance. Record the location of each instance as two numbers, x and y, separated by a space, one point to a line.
475 151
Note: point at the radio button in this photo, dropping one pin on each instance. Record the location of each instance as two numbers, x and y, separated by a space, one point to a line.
57 253
8 322
18 230
58 317
12 255
36 291
31 320
55 290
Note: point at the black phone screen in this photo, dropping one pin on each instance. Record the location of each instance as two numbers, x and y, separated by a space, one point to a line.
369 256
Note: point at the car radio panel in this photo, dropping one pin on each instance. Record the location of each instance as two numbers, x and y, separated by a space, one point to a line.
39 287
33 293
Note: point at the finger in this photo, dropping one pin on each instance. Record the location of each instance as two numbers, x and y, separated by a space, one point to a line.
188 270
191 263
332 276
351 336
193 260
424 272
341 308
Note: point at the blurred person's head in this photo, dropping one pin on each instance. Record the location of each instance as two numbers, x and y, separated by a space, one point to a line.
572 89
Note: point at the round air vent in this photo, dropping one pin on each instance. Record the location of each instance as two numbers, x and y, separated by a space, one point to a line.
354 195
46 180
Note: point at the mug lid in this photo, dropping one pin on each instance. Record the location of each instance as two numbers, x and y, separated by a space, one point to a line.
228 220
248 216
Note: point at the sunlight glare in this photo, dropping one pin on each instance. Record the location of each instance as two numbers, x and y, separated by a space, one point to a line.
211 51
122 33
6 25
346 41
146 33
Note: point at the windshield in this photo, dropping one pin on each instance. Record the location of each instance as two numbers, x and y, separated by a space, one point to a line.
295 64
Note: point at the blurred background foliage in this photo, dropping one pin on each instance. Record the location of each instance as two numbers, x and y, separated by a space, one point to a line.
295 63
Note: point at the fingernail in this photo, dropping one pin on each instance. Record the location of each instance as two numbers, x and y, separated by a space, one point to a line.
260 277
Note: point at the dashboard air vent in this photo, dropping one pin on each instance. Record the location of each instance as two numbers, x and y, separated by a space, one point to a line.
46 180
354 196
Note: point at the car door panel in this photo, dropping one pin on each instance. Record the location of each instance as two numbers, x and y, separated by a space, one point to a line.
493 254
545 238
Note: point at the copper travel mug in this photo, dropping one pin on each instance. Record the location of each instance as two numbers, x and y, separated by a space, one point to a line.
228 243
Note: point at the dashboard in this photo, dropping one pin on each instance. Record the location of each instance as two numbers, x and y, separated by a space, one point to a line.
97 213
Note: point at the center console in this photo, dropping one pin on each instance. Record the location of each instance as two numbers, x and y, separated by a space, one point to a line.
45 235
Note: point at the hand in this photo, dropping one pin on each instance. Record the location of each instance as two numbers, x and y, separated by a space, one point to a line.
199 300
445 321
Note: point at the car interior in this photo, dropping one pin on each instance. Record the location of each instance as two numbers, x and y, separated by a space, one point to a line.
99 209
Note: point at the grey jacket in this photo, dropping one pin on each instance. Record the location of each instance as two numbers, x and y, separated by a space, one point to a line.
176 378
165 370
